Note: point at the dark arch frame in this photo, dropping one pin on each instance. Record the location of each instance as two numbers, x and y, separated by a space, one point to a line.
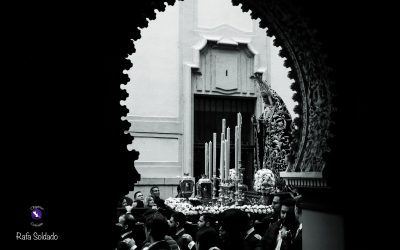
70 61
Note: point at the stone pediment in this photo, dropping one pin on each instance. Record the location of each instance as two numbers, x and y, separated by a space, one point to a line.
226 34
223 28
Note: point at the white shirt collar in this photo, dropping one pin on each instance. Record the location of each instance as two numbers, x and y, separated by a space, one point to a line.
249 232
152 244
179 231
125 234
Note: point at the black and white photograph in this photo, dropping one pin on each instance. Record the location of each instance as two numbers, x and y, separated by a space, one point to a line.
195 124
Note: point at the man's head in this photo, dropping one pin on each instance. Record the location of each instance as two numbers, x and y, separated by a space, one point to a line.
126 201
177 220
139 196
127 221
287 211
277 199
155 192
206 238
276 203
156 227
233 225
206 220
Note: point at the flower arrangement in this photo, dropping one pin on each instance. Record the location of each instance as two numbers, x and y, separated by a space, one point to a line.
176 203
179 205
264 180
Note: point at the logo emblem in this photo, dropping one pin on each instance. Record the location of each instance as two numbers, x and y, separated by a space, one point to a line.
36 214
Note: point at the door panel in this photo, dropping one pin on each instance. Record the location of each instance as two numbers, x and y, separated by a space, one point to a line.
208 114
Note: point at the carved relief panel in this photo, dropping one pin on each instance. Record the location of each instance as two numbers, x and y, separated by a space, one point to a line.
225 70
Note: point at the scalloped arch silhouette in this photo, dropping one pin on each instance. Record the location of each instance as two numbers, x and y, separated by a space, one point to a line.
314 90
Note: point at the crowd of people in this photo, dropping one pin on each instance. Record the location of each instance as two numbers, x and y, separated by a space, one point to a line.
148 224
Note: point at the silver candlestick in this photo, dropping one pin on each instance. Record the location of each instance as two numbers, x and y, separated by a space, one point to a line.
237 184
241 186
214 191
228 196
220 192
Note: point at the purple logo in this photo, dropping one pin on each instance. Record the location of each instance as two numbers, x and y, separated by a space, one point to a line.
36 214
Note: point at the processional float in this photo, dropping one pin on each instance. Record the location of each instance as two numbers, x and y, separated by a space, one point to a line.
273 128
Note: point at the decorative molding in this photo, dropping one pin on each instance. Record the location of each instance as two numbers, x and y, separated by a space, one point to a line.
233 94
156 127
224 28
227 41
133 118
156 135
159 163
253 51
300 175
304 179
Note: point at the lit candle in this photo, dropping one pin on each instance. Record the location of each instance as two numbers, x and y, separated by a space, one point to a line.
210 160
206 158
240 138
236 148
214 154
223 126
227 154
221 169
221 165
226 151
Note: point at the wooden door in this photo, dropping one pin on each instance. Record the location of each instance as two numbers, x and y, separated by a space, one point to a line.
208 114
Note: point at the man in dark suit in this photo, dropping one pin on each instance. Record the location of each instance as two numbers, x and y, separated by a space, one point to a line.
280 234
127 237
139 198
127 222
252 239
297 238
206 220
155 193
176 224
156 228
